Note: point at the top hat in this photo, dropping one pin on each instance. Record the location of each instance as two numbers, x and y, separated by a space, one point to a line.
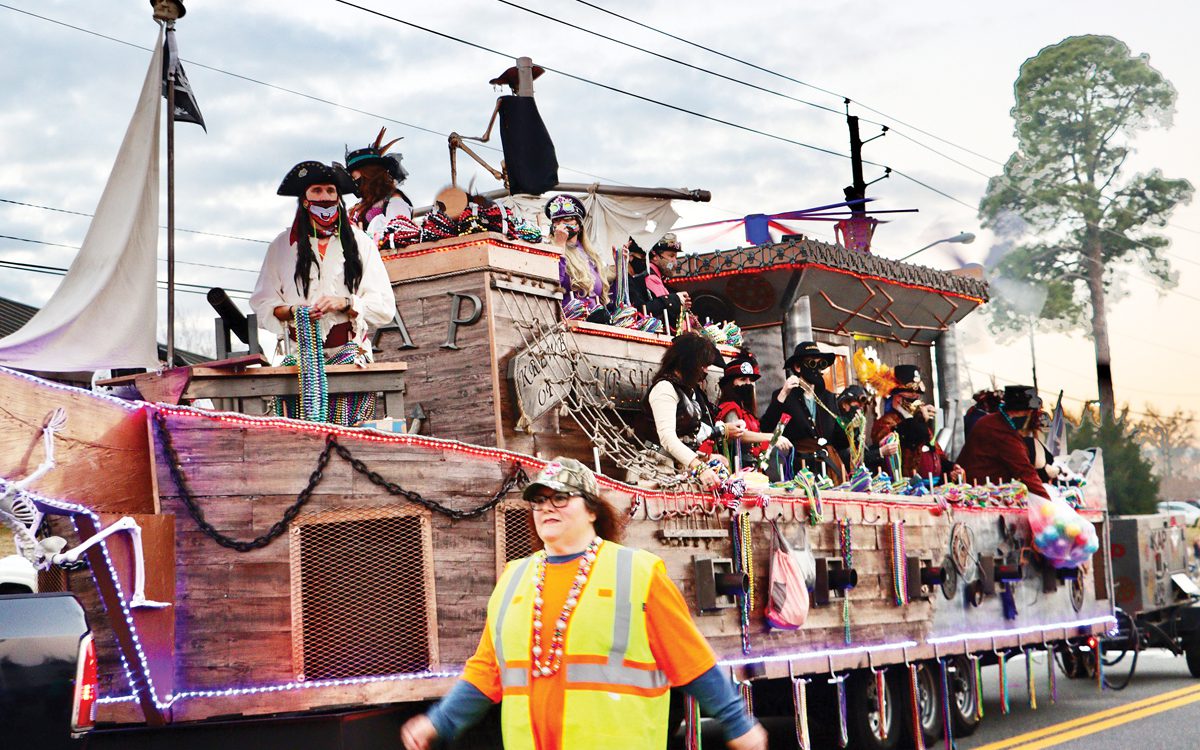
564 475
908 378
806 349
376 154
744 364
308 173
1021 398
564 207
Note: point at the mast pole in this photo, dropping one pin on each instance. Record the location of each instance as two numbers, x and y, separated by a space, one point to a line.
170 208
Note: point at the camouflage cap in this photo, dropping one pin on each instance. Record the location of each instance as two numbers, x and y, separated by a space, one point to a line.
564 475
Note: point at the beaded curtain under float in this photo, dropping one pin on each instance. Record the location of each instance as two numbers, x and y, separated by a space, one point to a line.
314 404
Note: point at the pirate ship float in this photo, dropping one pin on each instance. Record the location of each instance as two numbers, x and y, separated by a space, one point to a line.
294 567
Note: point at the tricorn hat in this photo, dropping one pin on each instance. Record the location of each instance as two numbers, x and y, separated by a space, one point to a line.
1021 398
564 207
908 378
376 154
510 77
308 173
668 244
564 475
743 365
806 349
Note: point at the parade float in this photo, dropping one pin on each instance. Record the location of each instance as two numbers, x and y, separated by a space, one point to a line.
299 566
237 566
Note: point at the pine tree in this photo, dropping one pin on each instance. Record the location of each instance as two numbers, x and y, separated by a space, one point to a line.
1129 480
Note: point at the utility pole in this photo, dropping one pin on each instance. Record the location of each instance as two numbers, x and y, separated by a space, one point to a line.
855 232
857 190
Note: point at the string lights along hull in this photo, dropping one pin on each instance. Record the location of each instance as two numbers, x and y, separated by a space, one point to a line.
309 566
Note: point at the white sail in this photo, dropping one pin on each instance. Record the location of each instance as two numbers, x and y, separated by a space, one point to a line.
104 313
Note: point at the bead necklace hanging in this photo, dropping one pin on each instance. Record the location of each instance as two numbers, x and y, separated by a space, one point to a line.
947 719
881 700
899 564
310 361
743 562
691 730
839 683
856 434
553 655
1029 681
746 689
914 688
1053 676
800 712
846 547
977 684
1004 708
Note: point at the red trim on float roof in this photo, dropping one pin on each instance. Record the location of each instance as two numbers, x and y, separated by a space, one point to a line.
458 246
824 267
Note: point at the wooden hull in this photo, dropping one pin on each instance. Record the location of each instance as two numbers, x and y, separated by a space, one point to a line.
370 597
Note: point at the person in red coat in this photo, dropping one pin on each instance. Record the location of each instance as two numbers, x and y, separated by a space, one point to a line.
996 451
913 423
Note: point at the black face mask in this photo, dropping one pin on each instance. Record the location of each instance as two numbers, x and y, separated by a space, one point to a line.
812 376
849 409
743 394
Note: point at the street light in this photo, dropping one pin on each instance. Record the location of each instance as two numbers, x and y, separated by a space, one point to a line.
963 238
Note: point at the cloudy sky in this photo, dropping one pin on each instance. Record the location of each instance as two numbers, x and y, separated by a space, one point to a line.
280 82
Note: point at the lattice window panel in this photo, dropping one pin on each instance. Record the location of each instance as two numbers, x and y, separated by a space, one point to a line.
514 537
362 593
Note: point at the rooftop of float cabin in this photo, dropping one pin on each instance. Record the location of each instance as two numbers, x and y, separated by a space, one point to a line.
849 292
801 252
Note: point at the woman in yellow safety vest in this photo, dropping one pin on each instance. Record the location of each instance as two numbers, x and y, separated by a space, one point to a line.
584 639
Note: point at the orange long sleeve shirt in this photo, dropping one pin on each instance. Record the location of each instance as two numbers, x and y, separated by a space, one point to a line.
679 649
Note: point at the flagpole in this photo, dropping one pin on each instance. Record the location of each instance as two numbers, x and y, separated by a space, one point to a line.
170 210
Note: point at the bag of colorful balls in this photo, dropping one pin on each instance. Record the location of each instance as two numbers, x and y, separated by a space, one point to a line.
1065 538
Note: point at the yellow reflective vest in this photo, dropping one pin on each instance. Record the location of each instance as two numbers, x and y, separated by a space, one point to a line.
616 697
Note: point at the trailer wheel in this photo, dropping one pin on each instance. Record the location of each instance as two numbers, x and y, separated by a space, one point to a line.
1192 654
868 729
929 706
963 698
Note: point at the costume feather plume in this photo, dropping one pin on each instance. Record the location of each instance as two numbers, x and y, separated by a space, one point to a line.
875 376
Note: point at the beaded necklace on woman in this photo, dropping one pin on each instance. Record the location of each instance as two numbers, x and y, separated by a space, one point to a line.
548 666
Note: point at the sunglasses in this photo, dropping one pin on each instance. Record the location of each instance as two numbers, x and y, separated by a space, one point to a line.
558 500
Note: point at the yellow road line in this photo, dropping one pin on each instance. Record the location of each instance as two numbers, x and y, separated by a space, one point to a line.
1116 721
1180 697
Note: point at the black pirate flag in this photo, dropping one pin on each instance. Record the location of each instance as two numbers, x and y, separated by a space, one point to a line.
186 108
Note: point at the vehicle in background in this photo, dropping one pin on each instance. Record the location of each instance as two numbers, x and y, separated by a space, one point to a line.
1190 512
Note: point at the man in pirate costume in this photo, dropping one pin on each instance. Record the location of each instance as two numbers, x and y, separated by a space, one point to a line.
377 178
913 423
852 417
996 449
650 290
323 286
813 426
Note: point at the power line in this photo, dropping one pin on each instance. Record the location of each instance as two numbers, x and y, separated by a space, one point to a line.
598 84
283 89
784 77
846 99
76 247
160 226
58 271
668 58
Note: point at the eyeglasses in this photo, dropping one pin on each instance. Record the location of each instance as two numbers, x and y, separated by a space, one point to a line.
558 500
814 363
